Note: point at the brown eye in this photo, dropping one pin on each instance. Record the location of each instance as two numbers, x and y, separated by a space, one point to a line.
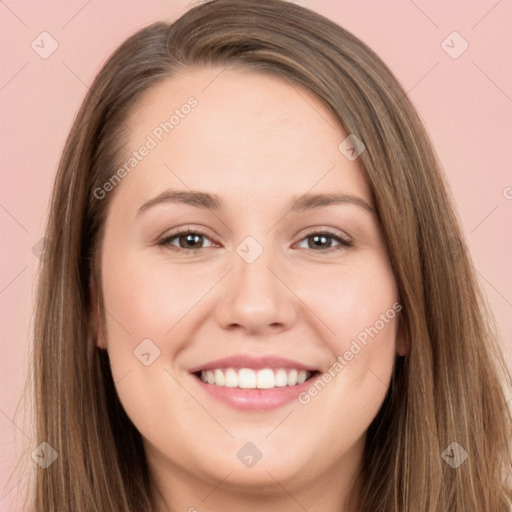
324 242
187 240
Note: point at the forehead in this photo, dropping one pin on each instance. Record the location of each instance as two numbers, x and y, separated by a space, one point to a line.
238 133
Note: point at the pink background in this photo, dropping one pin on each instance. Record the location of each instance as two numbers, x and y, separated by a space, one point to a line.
465 102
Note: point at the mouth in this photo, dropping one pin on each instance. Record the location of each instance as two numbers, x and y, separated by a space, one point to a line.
248 378
250 383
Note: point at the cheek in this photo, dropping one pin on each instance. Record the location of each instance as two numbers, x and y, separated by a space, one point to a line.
146 298
142 306
351 299
359 306
146 302
138 313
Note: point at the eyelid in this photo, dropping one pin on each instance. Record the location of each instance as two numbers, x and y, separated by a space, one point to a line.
164 241
344 240
328 231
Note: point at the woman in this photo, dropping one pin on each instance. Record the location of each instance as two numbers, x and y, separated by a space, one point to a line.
261 370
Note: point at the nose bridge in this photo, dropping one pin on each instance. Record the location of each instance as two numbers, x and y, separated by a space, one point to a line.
256 298
254 280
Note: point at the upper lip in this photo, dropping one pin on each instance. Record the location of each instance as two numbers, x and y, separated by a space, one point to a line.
253 362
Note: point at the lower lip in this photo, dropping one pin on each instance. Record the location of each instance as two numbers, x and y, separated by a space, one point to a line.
255 399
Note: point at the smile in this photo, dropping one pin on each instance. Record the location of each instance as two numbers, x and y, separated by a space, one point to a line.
246 378
253 383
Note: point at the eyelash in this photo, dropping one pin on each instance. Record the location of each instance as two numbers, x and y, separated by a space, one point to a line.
166 242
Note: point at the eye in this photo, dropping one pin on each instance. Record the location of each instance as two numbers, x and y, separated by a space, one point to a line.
192 241
322 238
187 239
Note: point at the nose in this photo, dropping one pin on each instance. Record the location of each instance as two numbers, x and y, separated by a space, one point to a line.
257 298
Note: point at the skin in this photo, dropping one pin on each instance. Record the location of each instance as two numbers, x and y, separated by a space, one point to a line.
256 142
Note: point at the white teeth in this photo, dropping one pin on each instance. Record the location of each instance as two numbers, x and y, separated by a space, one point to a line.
266 379
302 377
292 378
281 379
219 378
246 378
231 378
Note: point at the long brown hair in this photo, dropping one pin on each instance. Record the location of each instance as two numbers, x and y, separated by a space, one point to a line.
447 389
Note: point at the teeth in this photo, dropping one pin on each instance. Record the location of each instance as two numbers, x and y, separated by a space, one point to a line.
281 379
231 378
302 377
245 378
266 379
292 378
219 378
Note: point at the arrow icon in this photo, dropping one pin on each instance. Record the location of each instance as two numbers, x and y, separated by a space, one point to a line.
454 455
147 352
44 455
41 45
249 455
351 147
454 45
252 253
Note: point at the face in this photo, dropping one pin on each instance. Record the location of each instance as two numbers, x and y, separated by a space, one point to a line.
219 263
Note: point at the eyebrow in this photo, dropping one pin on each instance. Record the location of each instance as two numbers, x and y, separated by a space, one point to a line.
298 204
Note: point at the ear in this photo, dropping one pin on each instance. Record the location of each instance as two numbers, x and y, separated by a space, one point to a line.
96 327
